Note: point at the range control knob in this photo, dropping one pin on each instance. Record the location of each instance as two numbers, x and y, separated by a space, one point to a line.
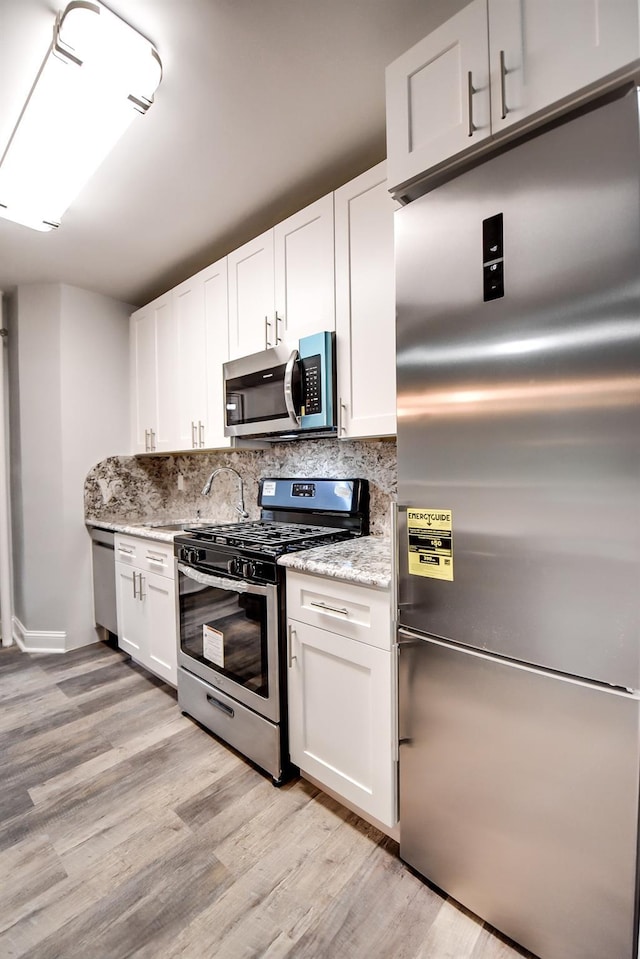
191 555
248 569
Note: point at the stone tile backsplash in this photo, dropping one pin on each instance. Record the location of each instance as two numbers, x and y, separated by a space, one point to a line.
140 489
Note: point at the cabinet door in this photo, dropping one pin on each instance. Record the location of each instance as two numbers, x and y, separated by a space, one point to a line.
340 720
166 437
153 343
131 616
366 306
188 307
142 342
251 297
304 273
438 96
160 608
542 50
216 319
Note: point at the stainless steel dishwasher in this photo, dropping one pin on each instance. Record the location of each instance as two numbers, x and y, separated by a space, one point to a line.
104 579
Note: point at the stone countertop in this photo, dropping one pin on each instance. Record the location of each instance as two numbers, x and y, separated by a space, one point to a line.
365 560
153 530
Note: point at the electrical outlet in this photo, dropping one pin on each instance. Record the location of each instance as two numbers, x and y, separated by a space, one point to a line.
180 482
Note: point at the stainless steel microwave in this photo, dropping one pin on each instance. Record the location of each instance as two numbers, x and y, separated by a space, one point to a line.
283 392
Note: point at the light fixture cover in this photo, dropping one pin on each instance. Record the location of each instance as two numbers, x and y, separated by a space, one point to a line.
97 74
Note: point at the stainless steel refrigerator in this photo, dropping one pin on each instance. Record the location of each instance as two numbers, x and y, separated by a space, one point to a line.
518 286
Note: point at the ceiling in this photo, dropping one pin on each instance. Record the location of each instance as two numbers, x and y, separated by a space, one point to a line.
264 106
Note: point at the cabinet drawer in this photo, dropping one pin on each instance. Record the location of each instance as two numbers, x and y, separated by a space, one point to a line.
147 554
358 612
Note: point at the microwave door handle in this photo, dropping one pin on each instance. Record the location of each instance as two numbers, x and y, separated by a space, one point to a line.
288 388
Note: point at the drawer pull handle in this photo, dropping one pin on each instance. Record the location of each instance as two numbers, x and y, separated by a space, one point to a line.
221 706
157 558
331 609
290 656
125 550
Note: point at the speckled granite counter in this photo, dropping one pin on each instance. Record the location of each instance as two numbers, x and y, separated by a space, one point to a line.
366 561
158 531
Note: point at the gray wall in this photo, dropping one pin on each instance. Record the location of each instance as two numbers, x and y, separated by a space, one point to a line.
69 407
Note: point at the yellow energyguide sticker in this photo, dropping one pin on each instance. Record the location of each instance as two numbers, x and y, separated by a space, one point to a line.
430 542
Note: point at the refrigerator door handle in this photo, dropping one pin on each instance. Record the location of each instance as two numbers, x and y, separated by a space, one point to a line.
404 646
411 638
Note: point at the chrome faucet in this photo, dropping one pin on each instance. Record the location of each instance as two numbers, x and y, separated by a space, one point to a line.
206 489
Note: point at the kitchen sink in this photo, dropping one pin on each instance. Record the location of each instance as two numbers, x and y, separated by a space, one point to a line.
165 526
172 527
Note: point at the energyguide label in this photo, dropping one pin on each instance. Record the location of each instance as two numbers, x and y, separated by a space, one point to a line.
430 542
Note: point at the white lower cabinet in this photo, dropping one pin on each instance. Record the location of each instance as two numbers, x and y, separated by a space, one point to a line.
342 691
146 604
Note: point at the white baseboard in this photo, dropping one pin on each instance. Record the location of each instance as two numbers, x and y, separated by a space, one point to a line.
37 640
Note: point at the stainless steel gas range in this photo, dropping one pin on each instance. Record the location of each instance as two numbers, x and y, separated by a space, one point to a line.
231 658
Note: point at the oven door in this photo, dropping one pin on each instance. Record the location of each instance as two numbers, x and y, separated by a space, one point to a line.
229 637
262 393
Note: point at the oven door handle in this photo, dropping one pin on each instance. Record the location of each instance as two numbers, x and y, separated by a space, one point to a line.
288 389
221 582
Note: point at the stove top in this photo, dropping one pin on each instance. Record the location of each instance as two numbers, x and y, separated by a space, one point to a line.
295 514
269 538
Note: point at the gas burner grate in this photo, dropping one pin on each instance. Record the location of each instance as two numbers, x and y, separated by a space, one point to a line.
263 535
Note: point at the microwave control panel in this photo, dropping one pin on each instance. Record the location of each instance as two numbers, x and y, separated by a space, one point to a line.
312 381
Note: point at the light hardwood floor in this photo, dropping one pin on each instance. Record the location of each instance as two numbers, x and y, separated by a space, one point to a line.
127 831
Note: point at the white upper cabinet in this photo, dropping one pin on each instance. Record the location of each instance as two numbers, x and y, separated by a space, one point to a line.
438 95
142 349
304 273
328 267
188 305
251 297
216 314
543 51
281 285
495 64
365 306
201 315
153 347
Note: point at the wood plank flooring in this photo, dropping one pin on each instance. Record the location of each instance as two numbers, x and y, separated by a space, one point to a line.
127 831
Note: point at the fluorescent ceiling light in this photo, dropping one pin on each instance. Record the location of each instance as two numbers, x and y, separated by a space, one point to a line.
98 74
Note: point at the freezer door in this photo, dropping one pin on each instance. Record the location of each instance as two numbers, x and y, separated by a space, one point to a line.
520 413
519 798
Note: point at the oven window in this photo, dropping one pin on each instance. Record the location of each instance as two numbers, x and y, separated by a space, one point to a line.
227 632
